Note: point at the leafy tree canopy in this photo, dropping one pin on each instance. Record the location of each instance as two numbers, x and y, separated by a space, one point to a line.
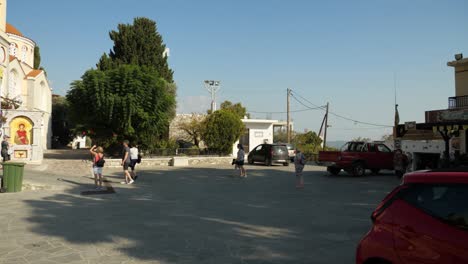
128 102
60 121
362 139
237 109
194 128
37 57
221 130
137 44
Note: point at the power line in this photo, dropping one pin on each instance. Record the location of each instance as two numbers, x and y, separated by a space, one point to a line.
310 108
305 99
276 112
358 128
340 116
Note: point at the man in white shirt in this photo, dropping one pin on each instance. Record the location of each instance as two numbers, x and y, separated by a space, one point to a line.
133 159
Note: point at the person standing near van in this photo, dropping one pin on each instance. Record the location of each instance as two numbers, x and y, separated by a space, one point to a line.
240 160
134 160
299 163
98 164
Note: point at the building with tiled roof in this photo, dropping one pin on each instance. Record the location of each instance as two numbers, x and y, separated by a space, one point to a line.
25 94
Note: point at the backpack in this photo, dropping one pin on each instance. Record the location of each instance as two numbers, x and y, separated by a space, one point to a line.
299 159
100 163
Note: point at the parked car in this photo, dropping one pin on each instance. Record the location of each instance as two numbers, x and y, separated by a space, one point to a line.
356 157
424 220
269 154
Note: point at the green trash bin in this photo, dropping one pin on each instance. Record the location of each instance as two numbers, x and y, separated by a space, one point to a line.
13 176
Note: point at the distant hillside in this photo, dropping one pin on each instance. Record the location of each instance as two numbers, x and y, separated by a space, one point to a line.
336 144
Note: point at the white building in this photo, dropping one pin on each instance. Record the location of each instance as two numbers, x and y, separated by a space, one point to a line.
258 131
25 94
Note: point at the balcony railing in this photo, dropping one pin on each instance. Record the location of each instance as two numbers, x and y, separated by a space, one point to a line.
458 102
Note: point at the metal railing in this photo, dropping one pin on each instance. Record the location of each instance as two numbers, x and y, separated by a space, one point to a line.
457 102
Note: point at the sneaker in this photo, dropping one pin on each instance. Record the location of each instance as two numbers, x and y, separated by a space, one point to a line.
123 182
131 182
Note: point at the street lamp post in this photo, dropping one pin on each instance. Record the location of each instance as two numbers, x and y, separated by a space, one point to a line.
212 87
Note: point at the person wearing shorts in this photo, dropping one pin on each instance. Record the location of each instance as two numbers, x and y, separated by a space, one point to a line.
134 160
98 154
126 162
299 163
240 160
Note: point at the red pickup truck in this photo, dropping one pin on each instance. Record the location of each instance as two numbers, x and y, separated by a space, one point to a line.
356 157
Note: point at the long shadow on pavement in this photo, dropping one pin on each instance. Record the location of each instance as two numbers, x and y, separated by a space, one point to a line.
204 215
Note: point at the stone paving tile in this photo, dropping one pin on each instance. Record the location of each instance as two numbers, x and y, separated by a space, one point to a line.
190 215
69 258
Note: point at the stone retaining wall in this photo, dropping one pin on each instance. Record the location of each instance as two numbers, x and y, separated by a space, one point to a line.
192 161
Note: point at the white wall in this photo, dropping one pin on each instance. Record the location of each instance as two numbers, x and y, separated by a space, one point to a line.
259 133
420 146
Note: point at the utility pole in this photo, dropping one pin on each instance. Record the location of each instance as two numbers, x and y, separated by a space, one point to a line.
288 122
326 128
212 87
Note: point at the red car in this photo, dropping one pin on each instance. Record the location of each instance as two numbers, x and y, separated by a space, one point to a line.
424 220
356 157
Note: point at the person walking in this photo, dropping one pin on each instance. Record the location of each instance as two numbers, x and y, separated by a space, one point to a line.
400 162
299 163
126 162
98 164
134 160
5 148
240 160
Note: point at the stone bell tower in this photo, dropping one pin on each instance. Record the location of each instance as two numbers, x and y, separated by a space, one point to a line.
3 13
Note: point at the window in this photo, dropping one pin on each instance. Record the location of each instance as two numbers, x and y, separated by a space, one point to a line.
258 134
447 202
383 148
13 49
345 147
258 148
356 146
24 53
364 148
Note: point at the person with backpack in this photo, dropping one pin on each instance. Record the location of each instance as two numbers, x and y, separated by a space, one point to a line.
134 159
126 162
98 164
299 163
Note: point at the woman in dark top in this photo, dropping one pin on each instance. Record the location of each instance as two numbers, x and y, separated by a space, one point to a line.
5 146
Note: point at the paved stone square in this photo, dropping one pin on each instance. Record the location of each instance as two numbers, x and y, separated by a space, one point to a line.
191 215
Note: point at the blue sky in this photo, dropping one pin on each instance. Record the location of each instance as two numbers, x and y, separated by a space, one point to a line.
342 52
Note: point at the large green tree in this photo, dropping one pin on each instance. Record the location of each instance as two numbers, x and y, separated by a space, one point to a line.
137 44
236 108
129 102
221 130
194 128
37 57
60 121
309 143
131 94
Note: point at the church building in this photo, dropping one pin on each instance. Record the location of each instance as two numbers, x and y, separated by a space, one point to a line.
26 97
